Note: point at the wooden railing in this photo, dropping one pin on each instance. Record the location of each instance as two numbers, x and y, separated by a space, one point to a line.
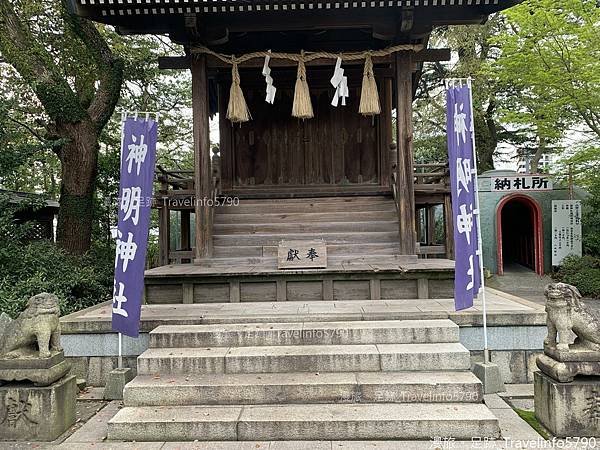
432 173
431 251
177 192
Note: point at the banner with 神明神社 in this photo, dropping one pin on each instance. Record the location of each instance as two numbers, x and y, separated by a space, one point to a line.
461 146
138 154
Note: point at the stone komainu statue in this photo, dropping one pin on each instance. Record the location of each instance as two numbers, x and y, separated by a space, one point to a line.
567 312
36 329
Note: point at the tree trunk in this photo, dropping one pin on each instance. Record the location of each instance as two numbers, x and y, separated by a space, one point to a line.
535 158
485 143
78 160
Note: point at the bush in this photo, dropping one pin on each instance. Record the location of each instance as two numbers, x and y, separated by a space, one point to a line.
591 219
581 272
28 268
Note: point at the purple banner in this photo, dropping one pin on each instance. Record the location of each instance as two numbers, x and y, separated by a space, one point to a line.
138 155
459 126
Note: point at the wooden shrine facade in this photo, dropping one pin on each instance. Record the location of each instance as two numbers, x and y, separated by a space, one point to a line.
338 151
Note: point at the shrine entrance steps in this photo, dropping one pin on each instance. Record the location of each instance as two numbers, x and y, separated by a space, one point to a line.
362 238
349 225
358 380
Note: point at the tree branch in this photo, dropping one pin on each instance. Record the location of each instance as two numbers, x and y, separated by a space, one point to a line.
35 65
110 68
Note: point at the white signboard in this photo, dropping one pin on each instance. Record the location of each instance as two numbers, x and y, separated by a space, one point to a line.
302 255
566 229
521 183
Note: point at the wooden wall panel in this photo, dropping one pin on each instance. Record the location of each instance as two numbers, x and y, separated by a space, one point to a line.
337 146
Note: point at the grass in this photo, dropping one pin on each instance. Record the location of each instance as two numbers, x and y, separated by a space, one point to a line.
529 417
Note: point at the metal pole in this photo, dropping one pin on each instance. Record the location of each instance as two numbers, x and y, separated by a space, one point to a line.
486 351
120 351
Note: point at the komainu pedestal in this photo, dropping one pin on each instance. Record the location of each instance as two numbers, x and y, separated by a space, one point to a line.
30 413
567 390
37 397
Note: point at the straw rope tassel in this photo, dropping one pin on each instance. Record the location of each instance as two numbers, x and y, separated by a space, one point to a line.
237 110
369 97
302 107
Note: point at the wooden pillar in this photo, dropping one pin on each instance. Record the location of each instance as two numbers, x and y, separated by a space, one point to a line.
185 229
404 127
225 141
164 222
385 131
202 170
430 224
164 234
449 227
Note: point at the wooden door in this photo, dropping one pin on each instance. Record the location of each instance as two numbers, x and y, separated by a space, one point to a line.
337 147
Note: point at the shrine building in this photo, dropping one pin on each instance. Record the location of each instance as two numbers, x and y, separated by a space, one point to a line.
300 170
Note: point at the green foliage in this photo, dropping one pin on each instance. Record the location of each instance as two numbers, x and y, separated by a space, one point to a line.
591 219
28 268
549 71
529 417
581 272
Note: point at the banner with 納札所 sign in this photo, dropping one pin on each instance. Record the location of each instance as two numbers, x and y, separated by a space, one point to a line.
521 183
138 154
459 123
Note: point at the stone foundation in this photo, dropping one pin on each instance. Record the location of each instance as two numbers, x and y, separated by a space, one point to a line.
568 409
29 413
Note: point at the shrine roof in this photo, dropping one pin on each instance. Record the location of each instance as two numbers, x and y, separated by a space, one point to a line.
181 17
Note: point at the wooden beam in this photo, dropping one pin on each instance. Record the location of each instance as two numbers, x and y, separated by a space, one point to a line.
202 171
174 62
405 179
184 62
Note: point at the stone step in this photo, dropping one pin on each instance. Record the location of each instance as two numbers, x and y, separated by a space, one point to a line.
307 333
389 226
300 387
349 215
329 238
304 422
304 358
230 249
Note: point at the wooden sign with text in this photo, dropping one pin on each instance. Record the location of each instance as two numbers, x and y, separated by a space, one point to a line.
302 255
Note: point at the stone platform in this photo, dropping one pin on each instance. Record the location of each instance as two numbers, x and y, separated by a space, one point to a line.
516 327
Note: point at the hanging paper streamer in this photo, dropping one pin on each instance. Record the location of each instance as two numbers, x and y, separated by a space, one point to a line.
237 110
369 97
340 83
302 107
271 90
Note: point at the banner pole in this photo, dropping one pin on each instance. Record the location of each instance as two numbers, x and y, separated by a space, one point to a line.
120 351
486 351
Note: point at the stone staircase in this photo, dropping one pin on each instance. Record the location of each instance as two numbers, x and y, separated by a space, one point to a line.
350 225
358 380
